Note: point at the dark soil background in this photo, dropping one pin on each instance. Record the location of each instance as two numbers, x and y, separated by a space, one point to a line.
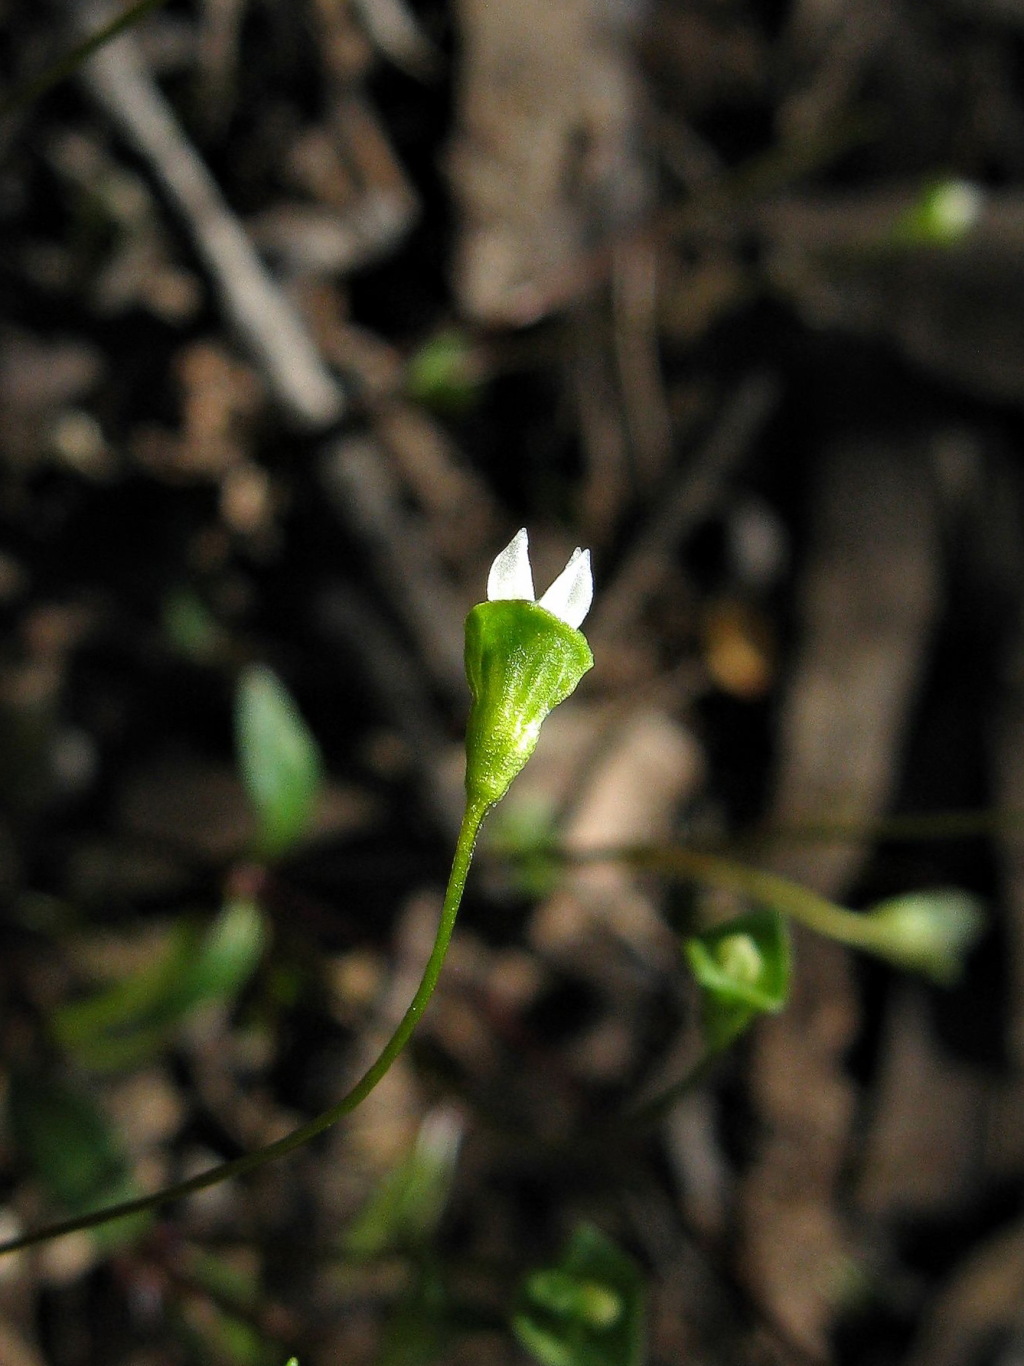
307 306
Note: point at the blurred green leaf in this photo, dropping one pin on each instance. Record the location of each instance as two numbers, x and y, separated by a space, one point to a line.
929 932
404 1212
524 830
133 1020
216 1334
402 1216
191 627
444 374
220 1307
73 1151
280 762
743 969
586 1311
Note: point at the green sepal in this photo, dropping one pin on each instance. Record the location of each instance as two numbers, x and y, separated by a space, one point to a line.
521 661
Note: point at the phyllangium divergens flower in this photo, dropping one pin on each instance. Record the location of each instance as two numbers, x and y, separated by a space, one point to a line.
523 657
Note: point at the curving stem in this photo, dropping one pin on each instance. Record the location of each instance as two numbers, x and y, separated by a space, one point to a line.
249 1162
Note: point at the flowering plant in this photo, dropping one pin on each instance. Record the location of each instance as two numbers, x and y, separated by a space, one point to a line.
523 657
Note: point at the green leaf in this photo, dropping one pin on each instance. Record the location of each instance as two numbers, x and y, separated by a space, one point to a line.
280 762
402 1217
133 1020
190 626
219 1312
404 1212
73 1150
929 932
586 1311
215 1334
444 374
525 832
743 969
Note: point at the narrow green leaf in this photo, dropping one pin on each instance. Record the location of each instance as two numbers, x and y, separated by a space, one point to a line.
214 1333
404 1212
525 832
280 762
229 955
133 1020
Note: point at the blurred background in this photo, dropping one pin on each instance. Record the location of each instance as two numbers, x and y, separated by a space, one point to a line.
308 306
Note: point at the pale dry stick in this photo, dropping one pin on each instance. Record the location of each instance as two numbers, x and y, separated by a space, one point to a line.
697 490
365 492
397 33
220 25
349 621
644 401
265 321
357 479
601 429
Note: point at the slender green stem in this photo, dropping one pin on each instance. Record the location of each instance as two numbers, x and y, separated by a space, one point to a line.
911 826
650 1111
249 1162
816 912
34 86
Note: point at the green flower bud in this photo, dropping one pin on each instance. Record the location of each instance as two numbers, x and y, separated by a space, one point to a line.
522 658
743 969
588 1310
929 932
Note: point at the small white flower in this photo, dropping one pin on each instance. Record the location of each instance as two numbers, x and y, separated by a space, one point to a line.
568 598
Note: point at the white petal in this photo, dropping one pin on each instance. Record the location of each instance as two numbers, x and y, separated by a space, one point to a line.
571 594
511 576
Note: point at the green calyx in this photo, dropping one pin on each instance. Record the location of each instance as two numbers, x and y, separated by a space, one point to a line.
521 661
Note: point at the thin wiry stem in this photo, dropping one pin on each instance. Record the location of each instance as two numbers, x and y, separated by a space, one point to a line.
768 889
249 1162
29 90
